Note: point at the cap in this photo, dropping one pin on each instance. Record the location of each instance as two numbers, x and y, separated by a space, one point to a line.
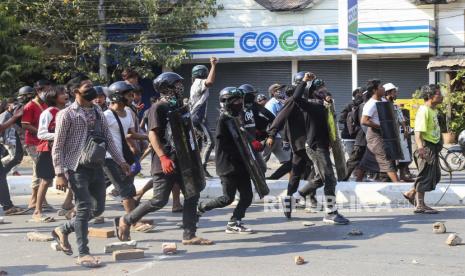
389 86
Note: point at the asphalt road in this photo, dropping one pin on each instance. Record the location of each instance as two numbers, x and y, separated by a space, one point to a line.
394 242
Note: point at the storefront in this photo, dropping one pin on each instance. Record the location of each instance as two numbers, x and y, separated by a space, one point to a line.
395 52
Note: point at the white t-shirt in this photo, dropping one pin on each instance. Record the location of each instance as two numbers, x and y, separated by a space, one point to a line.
370 110
198 98
127 122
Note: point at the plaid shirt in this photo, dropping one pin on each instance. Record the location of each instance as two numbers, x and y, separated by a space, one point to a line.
71 136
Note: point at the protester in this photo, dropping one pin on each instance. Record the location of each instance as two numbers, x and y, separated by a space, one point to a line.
202 80
101 99
5 200
30 122
354 118
262 99
82 134
374 158
404 135
56 99
348 134
230 165
429 145
9 137
121 124
164 170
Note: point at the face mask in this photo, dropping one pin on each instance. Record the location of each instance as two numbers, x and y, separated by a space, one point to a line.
42 96
173 95
235 109
90 94
249 99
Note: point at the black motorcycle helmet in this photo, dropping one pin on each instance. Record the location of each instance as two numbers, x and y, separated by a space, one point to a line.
117 90
166 80
298 77
25 90
249 94
101 90
228 95
200 72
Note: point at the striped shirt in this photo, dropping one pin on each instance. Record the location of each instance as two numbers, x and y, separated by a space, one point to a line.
71 135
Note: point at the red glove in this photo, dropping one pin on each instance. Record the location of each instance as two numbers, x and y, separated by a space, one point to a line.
257 146
167 164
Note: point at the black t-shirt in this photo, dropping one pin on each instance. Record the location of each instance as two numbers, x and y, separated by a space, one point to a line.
263 119
158 121
227 158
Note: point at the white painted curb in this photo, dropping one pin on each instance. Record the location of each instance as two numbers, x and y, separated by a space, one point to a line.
348 193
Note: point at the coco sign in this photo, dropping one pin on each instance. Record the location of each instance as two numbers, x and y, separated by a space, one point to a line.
252 42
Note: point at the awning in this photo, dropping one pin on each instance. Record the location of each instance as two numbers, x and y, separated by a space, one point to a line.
446 63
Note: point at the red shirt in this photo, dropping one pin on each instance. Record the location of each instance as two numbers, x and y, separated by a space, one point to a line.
31 116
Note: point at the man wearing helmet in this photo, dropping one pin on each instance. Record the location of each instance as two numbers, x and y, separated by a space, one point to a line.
230 166
121 124
202 80
101 99
164 170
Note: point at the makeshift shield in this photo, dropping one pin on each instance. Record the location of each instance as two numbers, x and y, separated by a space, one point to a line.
389 130
187 152
336 144
248 156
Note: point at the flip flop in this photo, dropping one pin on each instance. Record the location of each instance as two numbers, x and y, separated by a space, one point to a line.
419 211
14 211
197 241
70 214
90 263
55 236
116 226
43 219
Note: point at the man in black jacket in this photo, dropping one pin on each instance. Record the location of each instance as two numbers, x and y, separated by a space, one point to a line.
317 143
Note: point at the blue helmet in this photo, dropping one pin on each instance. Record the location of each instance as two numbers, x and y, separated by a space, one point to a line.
200 72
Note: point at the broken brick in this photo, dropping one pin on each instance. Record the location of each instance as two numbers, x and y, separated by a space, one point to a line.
101 232
110 248
169 248
128 254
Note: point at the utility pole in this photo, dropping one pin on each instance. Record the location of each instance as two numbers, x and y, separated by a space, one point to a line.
103 60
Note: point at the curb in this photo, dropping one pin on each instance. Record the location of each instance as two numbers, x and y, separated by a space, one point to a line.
347 193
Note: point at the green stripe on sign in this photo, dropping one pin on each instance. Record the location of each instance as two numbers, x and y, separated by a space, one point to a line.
207 44
383 38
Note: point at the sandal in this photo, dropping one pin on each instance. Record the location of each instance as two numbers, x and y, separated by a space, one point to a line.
14 211
117 232
61 244
70 214
409 199
88 261
197 241
43 219
143 227
431 211
48 207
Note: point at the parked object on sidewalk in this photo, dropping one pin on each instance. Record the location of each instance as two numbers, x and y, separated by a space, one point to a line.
439 228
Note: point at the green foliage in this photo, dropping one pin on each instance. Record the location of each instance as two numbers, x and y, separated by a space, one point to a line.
68 31
457 101
17 58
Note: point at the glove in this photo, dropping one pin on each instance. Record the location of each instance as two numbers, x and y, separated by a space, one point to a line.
136 168
257 146
167 165
286 146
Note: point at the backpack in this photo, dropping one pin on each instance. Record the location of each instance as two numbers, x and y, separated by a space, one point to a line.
353 122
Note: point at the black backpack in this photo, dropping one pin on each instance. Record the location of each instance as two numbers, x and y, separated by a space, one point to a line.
353 122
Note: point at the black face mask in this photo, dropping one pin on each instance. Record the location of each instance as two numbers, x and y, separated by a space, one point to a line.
90 94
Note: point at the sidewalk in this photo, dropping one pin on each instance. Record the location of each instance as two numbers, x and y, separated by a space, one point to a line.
348 193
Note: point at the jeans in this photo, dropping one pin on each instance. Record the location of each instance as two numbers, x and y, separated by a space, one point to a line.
32 152
300 163
324 175
231 184
5 199
202 127
354 159
162 186
123 184
15 156
89 189
277 150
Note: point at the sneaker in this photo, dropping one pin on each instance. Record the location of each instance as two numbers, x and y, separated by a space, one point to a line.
335 218
300 202
286 202
237 227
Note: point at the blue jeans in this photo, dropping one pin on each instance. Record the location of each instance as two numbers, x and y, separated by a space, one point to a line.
88 186
123 184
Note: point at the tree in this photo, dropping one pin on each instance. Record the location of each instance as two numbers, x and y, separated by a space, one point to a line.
17 59
69 32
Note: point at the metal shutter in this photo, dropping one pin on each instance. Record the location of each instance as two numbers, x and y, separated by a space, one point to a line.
259 74
407 74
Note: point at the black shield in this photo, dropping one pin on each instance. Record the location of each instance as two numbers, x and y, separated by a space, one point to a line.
389 130
187 151
248 156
